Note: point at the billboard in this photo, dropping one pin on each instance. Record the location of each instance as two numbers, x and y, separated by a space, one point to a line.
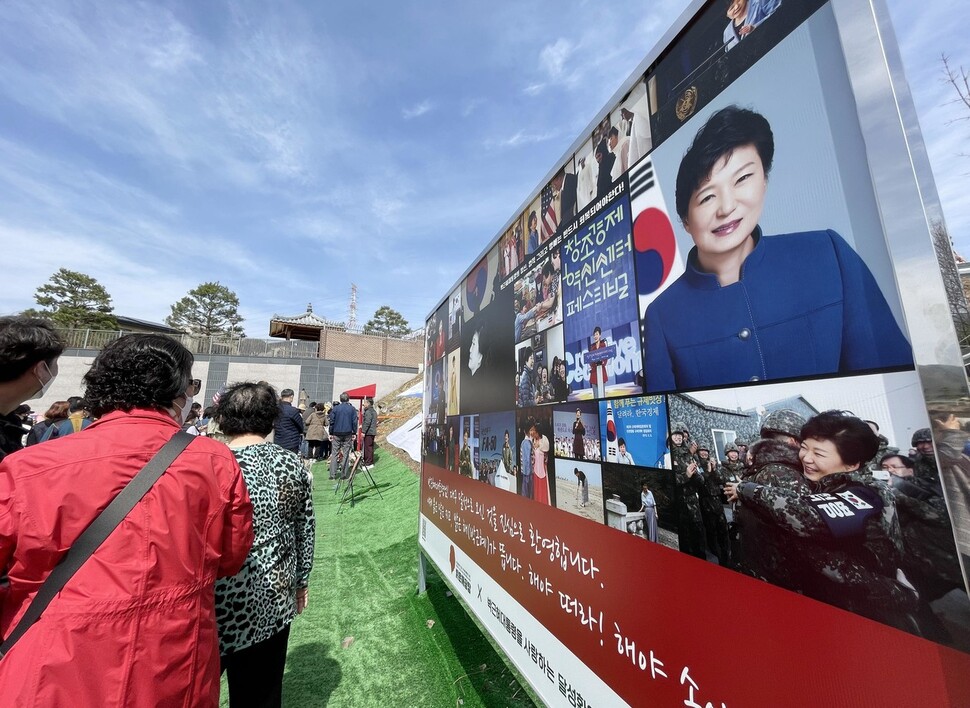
693 377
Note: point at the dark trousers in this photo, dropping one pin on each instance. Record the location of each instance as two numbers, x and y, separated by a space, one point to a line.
315 449
368 449
256 673
342 445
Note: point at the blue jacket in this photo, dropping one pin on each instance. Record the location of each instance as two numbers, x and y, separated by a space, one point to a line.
806 304
288 429
343 419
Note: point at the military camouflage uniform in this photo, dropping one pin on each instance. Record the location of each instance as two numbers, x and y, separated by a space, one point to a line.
930 554
690 527
855 571
924 466
711 497
507 458
465 461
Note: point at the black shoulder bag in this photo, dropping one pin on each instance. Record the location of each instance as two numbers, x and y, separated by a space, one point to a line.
95 534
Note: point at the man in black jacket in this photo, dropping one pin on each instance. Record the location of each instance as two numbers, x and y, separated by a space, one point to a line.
289 427
29 349
343 429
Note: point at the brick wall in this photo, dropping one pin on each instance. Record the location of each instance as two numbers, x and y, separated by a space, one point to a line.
369 349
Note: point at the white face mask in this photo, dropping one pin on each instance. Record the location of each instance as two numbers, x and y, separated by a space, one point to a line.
44 386
181 413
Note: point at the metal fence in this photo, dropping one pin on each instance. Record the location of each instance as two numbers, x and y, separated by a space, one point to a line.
234 346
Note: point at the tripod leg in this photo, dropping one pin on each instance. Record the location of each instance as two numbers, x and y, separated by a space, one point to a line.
373 483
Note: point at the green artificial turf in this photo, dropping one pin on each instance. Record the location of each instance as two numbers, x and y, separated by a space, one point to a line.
363 587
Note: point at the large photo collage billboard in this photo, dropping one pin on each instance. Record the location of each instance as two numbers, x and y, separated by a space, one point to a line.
692 339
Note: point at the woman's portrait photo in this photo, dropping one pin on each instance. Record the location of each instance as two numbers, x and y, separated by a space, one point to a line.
751 306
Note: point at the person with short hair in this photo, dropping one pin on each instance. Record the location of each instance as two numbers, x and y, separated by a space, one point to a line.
29 349
316 431
77 419
289 428
763 307
136 626
369 431
343 431
48 428
255 608
842 514
622 456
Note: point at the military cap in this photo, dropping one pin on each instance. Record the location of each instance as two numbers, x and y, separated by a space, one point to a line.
731 447
702 445
678 427
922 435
784 421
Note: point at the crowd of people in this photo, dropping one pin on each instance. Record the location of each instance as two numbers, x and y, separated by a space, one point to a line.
825 507
204 573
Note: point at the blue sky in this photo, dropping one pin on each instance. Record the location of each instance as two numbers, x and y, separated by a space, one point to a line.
289 149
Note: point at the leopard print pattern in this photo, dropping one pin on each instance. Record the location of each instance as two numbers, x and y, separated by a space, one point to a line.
260 600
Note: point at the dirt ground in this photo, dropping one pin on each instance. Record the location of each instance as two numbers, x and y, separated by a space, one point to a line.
566 500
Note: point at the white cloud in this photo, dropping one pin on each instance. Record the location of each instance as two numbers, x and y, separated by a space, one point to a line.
417 110
553 57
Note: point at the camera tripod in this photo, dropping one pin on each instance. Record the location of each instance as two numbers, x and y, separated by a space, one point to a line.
356 459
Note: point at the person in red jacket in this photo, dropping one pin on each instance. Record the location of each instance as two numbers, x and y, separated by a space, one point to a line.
135 626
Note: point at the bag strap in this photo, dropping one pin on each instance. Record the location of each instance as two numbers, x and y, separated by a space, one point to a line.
51 427
96 533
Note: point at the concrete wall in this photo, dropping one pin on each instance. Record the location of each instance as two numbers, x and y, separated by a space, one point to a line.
322 380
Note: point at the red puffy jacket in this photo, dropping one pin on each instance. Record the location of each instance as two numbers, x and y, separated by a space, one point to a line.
136 625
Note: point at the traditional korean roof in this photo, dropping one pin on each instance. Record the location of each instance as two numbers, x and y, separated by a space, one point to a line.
306 326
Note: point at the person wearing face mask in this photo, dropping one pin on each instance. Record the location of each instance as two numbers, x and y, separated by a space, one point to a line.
152 639
29 349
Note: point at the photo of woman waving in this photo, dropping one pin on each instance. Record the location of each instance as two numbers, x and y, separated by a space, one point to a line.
753 307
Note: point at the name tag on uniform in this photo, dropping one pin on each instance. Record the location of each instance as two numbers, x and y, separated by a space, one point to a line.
845 513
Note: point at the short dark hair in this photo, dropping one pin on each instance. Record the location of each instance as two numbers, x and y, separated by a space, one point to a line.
25 341
614 131
286 393
597 329
248 408
548 269
57 411
524 356
723 133
905 459
77 404
852 437
344 397
138 371
620 441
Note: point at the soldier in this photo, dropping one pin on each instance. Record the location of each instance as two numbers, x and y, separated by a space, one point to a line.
924 461
873 466
507 454
774 463
929 553
710 495
690 526
840 542
730 472
742 444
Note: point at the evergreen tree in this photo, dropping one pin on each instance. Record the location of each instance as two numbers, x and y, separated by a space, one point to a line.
74 300
387 321
210 309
